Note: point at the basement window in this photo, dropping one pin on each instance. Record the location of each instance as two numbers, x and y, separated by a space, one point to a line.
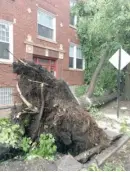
46 25
6 96
6 41
76 60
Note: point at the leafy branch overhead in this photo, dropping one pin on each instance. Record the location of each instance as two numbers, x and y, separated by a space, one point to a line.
103 25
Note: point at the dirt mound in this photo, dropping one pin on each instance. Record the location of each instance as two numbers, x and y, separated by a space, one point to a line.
51 107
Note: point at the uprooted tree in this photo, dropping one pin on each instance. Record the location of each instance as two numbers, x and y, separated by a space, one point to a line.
102 28
50 107
48 104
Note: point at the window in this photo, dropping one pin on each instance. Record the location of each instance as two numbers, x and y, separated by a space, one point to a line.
73 18
75 57
46 25
6 96
79 59
6 41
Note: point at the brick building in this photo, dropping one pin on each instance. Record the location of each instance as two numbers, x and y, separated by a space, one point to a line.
42 31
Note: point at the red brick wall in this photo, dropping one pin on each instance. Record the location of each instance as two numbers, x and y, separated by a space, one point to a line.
26 24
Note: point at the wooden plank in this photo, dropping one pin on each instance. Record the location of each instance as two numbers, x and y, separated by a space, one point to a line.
107 153
101 158
83 157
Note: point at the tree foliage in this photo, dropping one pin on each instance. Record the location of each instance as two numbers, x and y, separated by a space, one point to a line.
103 25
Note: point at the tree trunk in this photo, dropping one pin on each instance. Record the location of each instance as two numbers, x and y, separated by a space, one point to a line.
58 113
95 76
127 84
98 101
86 102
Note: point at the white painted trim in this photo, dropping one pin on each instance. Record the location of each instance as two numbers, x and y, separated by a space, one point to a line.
75 50
10 60
45 11
80 70
83 64
55 73
11 42
5 22
46 39
54 23
43 46
74 27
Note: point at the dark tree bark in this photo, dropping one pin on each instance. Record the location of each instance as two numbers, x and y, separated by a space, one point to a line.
95 76
86 102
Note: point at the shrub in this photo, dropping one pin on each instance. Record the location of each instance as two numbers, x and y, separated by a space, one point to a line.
80 90
45 148
26 144
10 134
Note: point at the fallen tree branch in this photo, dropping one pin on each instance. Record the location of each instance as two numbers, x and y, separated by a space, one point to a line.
37 122
92 84
96 101
103 99
29 105
37 82
22 62
24 112
83 157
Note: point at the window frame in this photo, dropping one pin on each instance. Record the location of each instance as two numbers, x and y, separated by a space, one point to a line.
10 24
75 21
54 25
75 17
75 57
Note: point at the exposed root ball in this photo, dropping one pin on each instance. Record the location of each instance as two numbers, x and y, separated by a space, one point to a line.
73 128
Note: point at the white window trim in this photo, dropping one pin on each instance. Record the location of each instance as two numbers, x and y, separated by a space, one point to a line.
54 23
10 60
75 57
